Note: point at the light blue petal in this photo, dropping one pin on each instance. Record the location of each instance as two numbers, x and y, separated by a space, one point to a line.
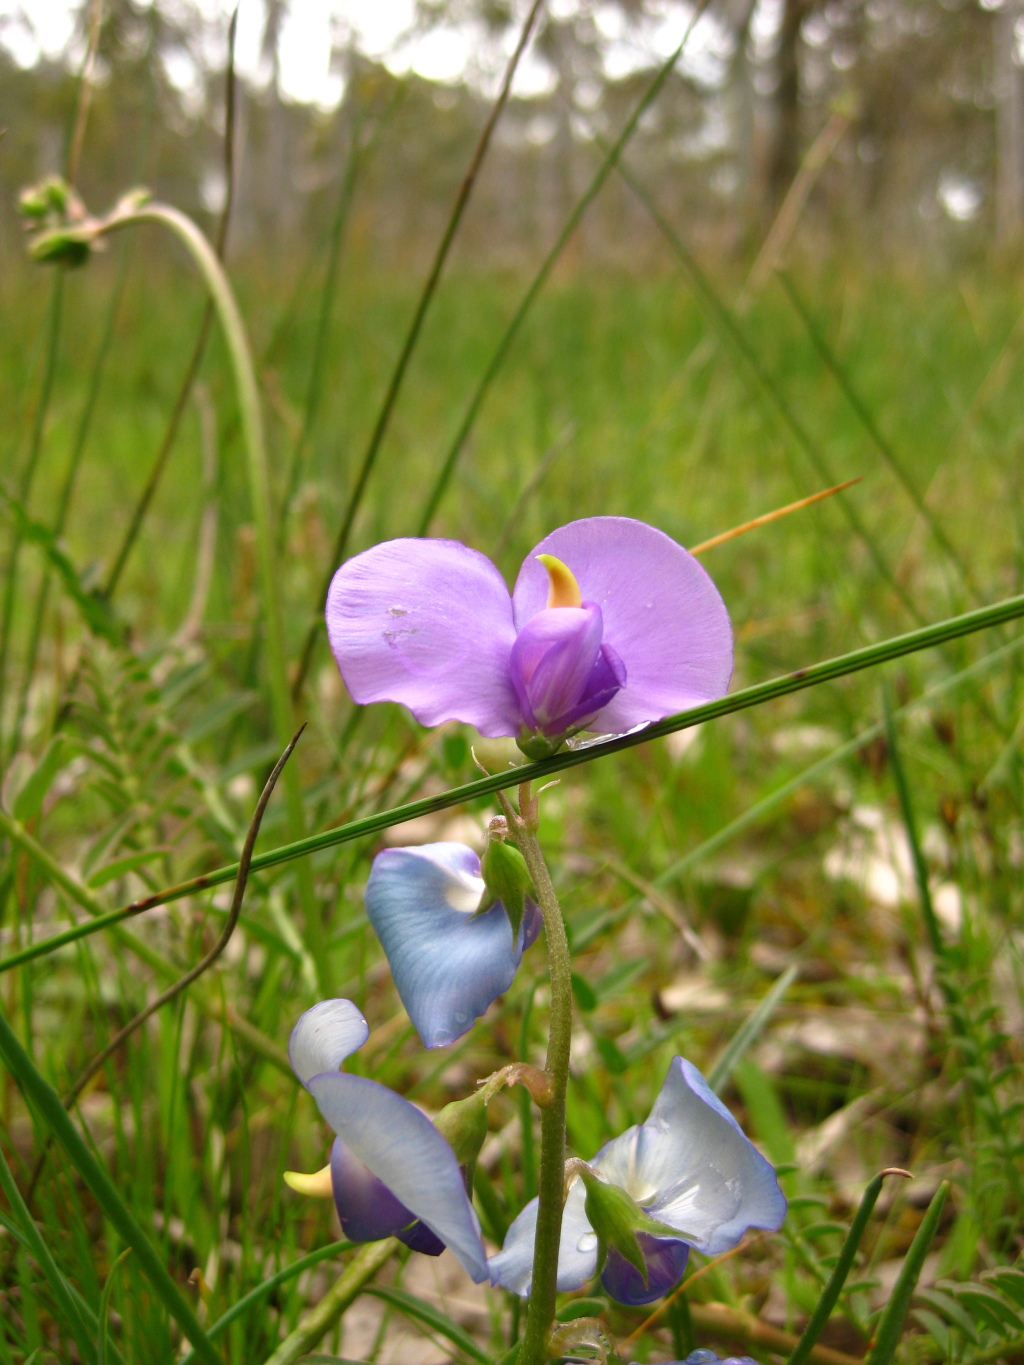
512 1267
324 1037
403 1149
691 1166
448 966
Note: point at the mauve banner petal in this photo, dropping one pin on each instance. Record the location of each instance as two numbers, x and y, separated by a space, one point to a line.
663 615
427 623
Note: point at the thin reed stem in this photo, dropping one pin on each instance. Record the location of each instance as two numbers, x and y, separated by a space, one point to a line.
409 345
163 454
327 293
869 424
68 487
612 155
28 474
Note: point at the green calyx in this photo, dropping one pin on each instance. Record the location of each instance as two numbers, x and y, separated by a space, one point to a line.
616 1217
506 879
464 1124
538 746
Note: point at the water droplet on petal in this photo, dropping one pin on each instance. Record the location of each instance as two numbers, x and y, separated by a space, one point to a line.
443 1037
588 1242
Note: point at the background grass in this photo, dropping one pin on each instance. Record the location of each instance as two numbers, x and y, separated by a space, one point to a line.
620 395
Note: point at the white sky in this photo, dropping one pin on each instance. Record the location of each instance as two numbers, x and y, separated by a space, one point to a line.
385 30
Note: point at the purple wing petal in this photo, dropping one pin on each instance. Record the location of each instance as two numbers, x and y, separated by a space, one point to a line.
366 1207
324 1037
427 623
663 616
404 1150
447 964
666 1260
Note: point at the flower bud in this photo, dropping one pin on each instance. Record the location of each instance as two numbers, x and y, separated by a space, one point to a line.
616 1217
506 879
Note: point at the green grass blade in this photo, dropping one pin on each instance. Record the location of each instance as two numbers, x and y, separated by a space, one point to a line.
59 1286
266 1288
931 922
887 1334
411 338
750 1030
830 1294
108 1290
841 666
47 1102
611 158
769 389
29 471
864 415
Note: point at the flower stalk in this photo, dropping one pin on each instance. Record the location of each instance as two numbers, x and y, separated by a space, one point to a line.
540 1312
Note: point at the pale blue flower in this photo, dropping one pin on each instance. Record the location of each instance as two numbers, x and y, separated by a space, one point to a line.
690 1166
448 961
391 1172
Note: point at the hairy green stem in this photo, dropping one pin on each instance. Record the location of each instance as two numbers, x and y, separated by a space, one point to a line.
540 1312
319 1321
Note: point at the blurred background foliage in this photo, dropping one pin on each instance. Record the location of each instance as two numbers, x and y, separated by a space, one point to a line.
668 371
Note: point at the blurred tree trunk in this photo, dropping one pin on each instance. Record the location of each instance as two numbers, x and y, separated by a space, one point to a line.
784 157
1009 93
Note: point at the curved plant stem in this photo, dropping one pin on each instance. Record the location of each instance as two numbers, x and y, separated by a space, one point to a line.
207 961
251 416
540 1310
203 965
192 369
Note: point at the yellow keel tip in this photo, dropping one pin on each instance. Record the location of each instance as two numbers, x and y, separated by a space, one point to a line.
564 591
318 1185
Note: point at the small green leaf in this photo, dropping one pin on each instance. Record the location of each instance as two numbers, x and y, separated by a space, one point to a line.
29 801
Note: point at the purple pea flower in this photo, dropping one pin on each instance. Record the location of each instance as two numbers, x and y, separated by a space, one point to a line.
449 962
611 625
690 1167
391 1172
